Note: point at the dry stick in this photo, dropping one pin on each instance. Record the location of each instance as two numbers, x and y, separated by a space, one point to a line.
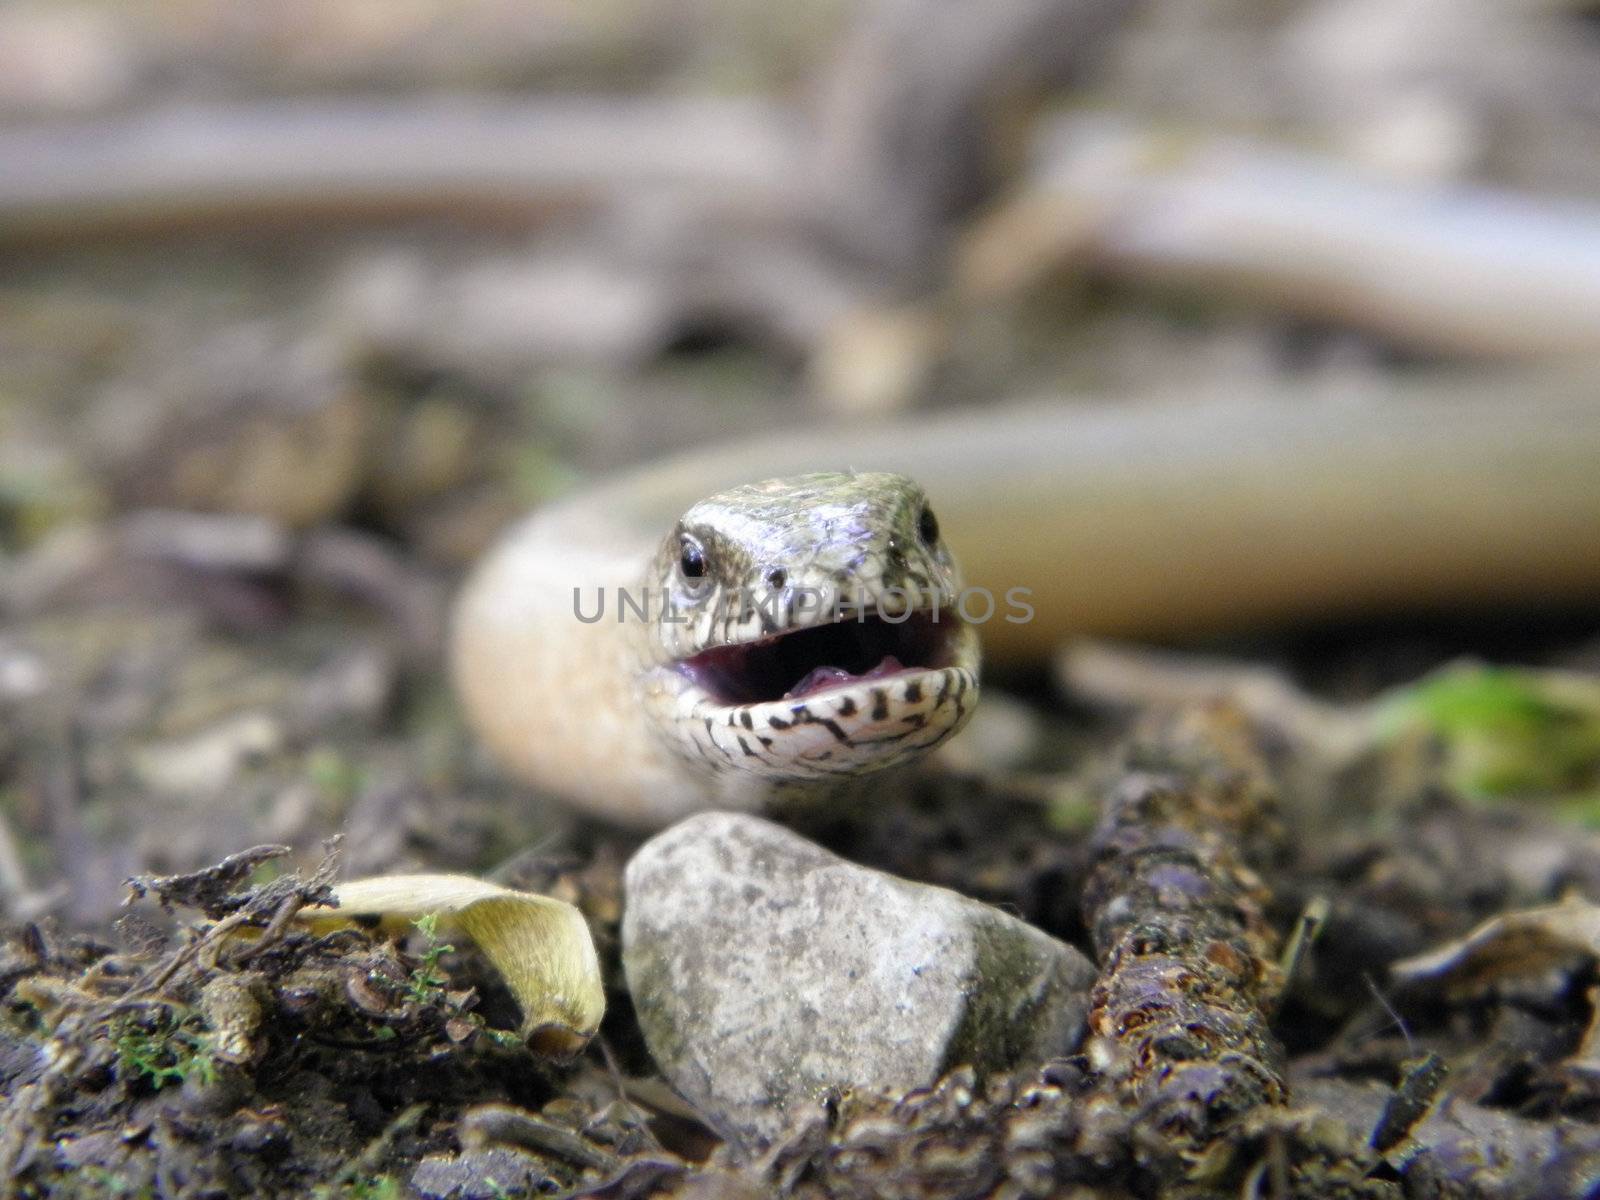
505 1124
1465 1149
164 972
233 162
1446 266
1450 267
902 125
1178 1025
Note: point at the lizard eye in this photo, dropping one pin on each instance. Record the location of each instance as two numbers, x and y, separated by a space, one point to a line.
691 560
928 527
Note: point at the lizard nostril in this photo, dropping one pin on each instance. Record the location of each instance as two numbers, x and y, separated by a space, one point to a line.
776 578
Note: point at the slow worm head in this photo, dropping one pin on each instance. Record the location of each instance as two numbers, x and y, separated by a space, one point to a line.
776 639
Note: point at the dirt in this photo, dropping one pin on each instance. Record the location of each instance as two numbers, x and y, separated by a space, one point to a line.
179 1036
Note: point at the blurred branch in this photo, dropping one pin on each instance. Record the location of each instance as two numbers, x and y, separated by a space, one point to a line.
923 105
521 158
916 109
912 123
1446 266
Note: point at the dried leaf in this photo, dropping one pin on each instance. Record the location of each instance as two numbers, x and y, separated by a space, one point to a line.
1512 945
541 946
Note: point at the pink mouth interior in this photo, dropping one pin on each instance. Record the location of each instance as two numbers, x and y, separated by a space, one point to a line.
822 678
803 662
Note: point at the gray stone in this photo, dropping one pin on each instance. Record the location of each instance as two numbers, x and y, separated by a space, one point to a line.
480 1173
768 973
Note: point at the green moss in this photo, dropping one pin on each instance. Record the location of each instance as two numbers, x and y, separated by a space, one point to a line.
427 981
163 1045
1504 731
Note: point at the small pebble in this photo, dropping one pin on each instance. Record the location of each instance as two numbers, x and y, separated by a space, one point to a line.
486 1173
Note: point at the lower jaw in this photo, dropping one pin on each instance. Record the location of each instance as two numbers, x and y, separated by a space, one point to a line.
830 735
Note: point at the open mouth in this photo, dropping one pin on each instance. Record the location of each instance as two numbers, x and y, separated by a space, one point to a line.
802 662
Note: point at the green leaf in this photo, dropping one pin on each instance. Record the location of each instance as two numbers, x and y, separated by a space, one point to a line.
1504 730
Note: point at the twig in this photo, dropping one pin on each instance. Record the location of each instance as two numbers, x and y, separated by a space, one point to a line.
506 1124
1178 1023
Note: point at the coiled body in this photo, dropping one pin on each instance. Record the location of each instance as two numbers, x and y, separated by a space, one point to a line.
1159 520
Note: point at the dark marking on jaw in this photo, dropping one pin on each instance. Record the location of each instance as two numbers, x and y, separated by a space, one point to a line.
832 727
916 720
709 734
887 739
940 734
766 742
847 707
746 719
945 681
805 716
778 723
880 704
745 746
914 692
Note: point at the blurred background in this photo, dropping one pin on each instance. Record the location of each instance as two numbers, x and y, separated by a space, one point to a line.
301 303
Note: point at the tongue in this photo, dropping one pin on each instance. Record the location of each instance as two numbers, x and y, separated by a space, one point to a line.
825 677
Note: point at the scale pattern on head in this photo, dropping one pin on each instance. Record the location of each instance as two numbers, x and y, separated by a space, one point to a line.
836 587
785 553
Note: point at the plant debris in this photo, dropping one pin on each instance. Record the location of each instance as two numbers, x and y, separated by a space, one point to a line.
540 946
186 1063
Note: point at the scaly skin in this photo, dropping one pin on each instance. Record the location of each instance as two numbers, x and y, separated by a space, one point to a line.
640 735
1148 520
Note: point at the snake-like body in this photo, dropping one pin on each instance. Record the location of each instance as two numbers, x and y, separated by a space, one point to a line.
1159 519
782 636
